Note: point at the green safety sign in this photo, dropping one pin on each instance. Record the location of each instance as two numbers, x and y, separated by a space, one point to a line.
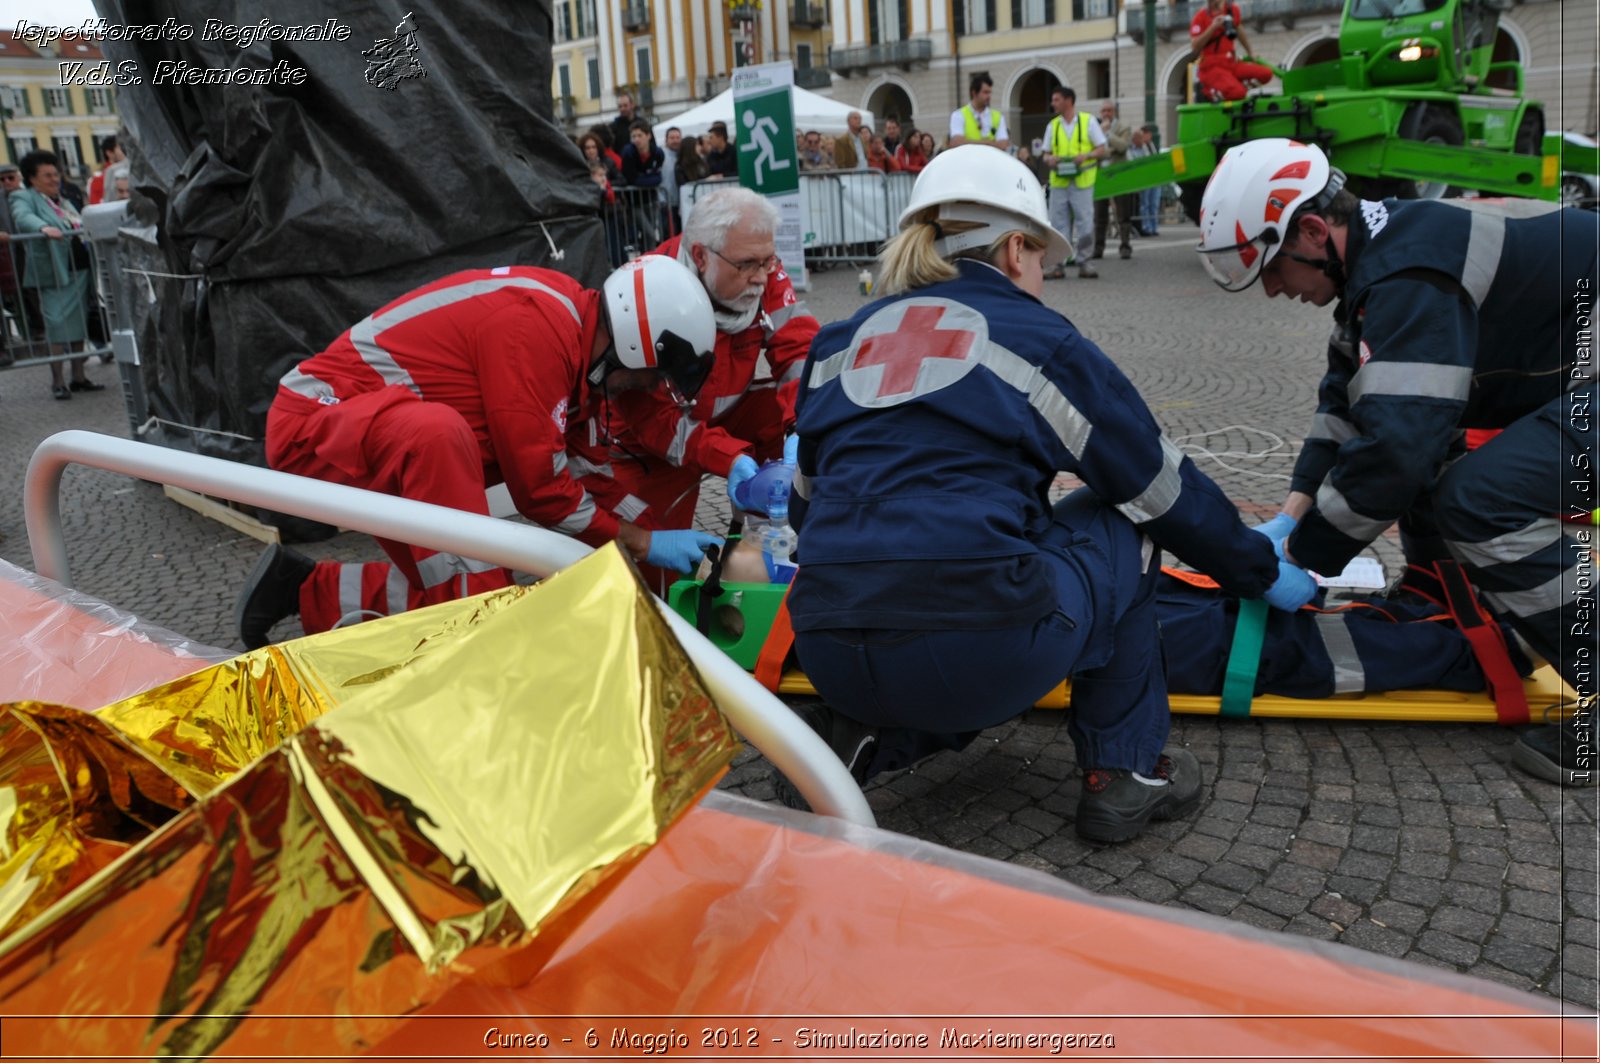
768 161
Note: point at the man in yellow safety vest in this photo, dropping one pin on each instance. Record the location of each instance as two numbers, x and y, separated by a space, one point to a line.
977 122
1074 144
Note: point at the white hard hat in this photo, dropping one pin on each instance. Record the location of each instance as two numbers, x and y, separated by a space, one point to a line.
976 183
660 317
1250 200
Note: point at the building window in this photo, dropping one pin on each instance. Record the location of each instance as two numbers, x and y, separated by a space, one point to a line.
564 80
66 149
641 64
1099 78
57 101
975 16
1032 13
1087 9
587 23
15 102
592 68
100 101
887 20
561 21
21 144
802 56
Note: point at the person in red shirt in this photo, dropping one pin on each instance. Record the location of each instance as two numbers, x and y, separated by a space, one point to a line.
468 382
910 156
110 155
1211 36
650 457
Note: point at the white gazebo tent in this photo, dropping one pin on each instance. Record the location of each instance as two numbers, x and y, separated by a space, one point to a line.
811 111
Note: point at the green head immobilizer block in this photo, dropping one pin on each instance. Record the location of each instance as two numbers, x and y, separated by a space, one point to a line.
741 615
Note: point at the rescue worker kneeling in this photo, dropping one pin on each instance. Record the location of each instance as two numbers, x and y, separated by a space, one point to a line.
460 385
939 592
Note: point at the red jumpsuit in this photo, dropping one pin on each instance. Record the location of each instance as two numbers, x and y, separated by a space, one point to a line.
644 457
1221 75
464 383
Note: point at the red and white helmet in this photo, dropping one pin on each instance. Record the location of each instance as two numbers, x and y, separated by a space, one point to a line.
1250 200
660 317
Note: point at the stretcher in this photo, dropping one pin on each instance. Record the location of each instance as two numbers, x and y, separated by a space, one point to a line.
750 931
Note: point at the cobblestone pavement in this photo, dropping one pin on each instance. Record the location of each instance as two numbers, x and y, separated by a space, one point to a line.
1411 840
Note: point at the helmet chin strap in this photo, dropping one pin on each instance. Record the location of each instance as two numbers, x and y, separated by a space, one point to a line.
1330 266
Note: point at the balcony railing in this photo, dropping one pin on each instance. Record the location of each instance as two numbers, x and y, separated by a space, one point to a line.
566 109
812 77
635 15
741 13
1175 18
806 13
904 54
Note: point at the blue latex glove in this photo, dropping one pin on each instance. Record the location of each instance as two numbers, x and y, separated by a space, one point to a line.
1277 529
1293 588
791 449
744 467
680 551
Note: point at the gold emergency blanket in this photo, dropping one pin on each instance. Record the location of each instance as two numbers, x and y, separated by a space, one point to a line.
343 826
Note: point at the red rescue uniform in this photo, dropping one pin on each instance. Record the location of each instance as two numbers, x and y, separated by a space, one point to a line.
1221 75
644 456
462 384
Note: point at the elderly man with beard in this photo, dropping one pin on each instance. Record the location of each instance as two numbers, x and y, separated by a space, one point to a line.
647 454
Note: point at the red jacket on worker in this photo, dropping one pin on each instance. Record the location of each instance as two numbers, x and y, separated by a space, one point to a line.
694 437
507 348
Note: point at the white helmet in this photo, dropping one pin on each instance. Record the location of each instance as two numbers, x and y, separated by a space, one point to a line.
659 317
1250 200
976 183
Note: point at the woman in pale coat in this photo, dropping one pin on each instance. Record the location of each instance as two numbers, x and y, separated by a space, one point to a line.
61 282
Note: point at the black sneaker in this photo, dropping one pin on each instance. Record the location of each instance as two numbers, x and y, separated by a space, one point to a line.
1559 752
854 743
1116 804
271 593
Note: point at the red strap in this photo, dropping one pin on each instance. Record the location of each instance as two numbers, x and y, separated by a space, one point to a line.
775 651
1488 644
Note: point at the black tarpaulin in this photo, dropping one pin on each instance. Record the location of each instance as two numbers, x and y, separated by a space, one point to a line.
286 212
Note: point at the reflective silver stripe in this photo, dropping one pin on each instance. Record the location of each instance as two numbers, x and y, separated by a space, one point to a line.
580 518
581 466
1552 594
303 383
1511 547
796 369
630 507
1484 244
1337 512
364 335
782 316
558 462
398 591
680 439
1411 380
440 568
350 587
1331 426
1155 500
725 403
830 367
1070 425
802 485
1348 675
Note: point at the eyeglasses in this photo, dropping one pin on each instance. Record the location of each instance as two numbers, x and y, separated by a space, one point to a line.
748 266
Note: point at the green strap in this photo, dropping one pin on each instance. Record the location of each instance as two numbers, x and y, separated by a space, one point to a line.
1244 659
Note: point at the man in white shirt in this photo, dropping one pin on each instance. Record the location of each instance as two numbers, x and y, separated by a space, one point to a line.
977 122
1074 144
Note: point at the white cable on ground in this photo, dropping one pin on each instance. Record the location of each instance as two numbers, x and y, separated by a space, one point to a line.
1276 444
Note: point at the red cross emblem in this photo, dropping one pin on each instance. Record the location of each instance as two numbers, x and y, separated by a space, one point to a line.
903 352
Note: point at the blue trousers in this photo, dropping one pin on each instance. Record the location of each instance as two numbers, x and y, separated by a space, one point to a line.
933 690
1496 510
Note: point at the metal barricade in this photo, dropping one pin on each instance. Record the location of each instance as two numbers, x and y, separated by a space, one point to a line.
848 214
50 301
636 221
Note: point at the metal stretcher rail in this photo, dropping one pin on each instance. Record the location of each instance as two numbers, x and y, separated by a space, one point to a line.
761 718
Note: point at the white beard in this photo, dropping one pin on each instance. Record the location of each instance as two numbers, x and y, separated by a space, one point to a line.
730 319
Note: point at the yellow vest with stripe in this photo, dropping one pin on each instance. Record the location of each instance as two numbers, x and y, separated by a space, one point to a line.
1066 147
974 132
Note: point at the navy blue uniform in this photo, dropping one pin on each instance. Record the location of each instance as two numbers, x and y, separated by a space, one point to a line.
1460 316
939 591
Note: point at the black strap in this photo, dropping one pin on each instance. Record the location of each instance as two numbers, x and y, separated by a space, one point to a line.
710 590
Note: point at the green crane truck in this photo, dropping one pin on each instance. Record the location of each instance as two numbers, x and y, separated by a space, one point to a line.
1413 106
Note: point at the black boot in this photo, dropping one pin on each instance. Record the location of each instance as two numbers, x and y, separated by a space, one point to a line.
1559 752
271 593
1116 804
